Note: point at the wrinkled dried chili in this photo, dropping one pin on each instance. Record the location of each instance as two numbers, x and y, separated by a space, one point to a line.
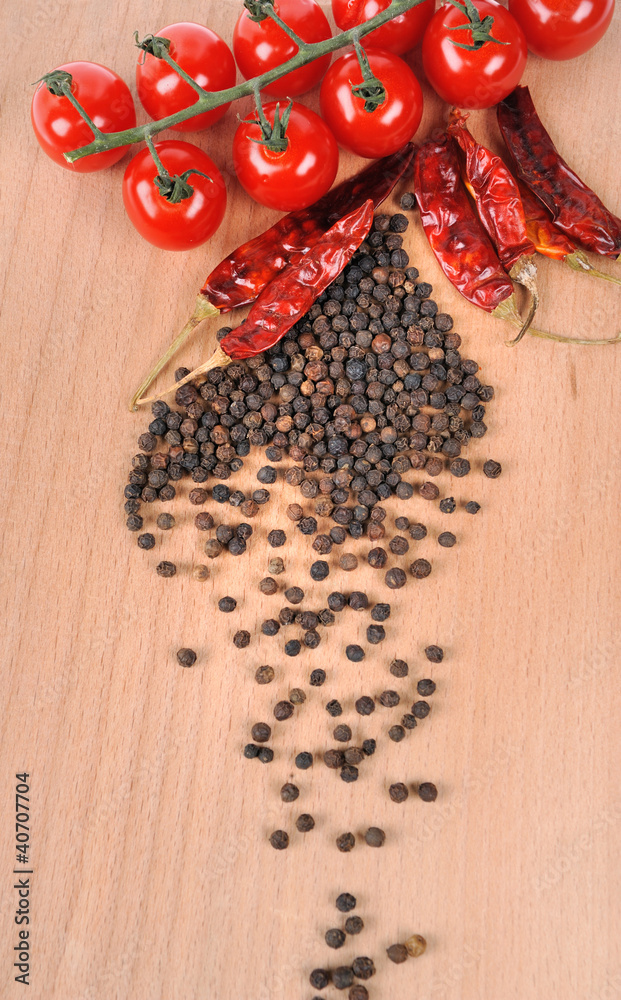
455 233
550 241
291 294
242 276
575 208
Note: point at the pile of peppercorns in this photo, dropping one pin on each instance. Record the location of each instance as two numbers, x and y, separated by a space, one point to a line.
369 385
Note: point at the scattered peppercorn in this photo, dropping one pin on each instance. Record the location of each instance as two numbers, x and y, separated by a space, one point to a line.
186 657
354 653
473 507
397 953
375 837
365 705
377 558
369 747
398 792
354 925
227 604
418 532
421 709
426 687
345 902
389 699
295 595
276 538
337 601
420 568
342 978
363 967
396 733
335 938
319 570
283 710
409 721
319 979
358 992
346 842
251 750
380 613
270 626
342 733
399 668
200 573
297 696
276 566
435 654
268 586
492 469
289 792
428 791
293 647
376 634
446 539
261 732
146 541
166 569
279 840
212 548
348 562
305 823
415 945
448 505
241 639
317 677
333 759
266 755
334 708
395 578
304 760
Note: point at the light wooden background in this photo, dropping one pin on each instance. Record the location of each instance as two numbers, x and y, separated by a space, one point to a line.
153 876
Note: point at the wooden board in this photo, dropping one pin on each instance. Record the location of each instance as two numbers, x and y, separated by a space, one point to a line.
153 878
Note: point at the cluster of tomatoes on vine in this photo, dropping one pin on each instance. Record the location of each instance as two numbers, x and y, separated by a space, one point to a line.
285 155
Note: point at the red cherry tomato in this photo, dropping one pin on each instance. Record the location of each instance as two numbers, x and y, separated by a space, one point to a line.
296 177
204 57
372 133
59 128
398 35
562 29
262 45
188 223
476 79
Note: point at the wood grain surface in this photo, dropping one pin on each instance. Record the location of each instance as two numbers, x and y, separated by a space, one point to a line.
153 876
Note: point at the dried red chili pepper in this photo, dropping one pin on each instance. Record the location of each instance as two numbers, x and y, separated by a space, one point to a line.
575 208
460 243
550 241
242 276
291 294
455 233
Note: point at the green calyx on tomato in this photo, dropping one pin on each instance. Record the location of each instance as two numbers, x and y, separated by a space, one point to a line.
371 90
480 29
58 82
176 189
256 9
153 45
274 136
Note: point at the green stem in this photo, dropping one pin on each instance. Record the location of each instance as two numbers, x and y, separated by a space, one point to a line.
161 169
269 10
371 90
66 89
308 53
184 76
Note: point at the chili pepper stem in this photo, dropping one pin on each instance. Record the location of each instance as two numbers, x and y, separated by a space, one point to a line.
217 360
578 262
507 311
525 273
203 310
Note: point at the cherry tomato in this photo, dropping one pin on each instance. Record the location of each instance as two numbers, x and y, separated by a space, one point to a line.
473 79
398 35
204 57
262 45
188 223
296 177
59 128
562 29
372 133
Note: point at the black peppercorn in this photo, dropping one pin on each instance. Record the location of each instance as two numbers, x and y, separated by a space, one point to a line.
492 469
295 595
409 721
227 604
426 687
289 792
336 601
348 562
345 902
381 612
365 705
421 709
264 674
266 475
319 570
369 747
283 710
304 760
377 558
146 541
398 792
354 925
346 842
276 538
448 505
428 791
266 755
473 507
435 654
251 750
395 578
420 569
186 657
166 569
388 699
446 539
343 977
134 522
334 708
397 953
268 586
319 979
349 773
399 668
270 626
276 566
354 653
358 992
279 840
375 837
342 733
212 548
293 647
297 696
418 531
396 733
305 823
261 732
375 634
241 639
335 938
363 967
317 677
